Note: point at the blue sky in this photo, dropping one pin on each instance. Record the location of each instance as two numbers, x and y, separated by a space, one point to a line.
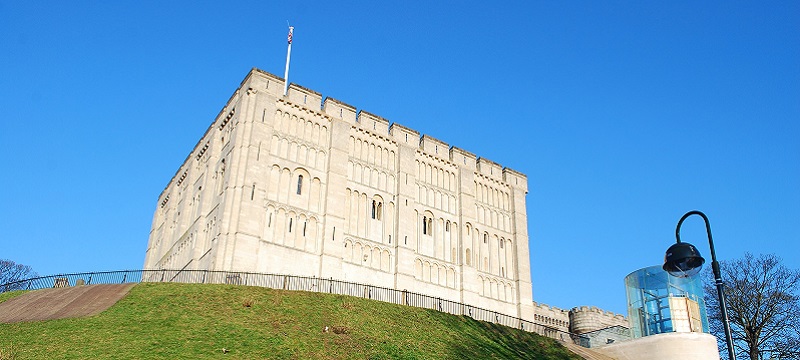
624 116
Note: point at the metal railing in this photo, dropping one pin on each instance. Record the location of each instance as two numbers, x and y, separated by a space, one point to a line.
298 283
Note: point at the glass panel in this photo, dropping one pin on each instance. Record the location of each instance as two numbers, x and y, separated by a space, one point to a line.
660 303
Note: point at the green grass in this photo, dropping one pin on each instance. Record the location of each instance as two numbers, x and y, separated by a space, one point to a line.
10 294
193 321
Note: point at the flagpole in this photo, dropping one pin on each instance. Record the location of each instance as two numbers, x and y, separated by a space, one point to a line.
288 55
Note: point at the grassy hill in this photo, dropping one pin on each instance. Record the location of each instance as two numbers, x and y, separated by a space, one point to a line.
194 321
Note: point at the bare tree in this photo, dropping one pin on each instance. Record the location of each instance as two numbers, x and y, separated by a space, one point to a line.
763 307
11 272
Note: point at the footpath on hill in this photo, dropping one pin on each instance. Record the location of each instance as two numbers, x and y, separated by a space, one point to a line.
61 303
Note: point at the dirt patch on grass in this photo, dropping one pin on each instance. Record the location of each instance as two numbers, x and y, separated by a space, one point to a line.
61 303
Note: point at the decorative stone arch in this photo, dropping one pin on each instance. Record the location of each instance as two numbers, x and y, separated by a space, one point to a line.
315 194
316 135
435 274
348 252
308 131
376 208
375 258
301 183
269 223
386 260
426 271
358 253
427 223
320 160
451 277
323 135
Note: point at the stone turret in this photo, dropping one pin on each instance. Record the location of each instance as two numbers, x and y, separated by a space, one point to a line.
586 319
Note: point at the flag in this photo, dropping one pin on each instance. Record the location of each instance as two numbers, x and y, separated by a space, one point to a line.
291 28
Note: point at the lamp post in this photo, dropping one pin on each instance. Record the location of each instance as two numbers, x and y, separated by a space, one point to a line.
683 260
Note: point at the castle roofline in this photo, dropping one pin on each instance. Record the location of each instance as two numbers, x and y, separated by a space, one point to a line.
462 151
304 89
405 128
515 172
341 103
317 106
371 116
428 137
488 162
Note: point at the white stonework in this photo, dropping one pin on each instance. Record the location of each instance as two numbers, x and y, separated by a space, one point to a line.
297 185
586 319
666 346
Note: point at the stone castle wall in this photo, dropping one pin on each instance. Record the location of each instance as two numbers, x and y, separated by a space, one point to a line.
300 185
551 316
308 186
586 319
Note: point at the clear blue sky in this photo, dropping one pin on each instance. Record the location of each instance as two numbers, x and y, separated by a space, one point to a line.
624 116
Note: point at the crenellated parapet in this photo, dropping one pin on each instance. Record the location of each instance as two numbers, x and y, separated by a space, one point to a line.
585 319
263 81
551 316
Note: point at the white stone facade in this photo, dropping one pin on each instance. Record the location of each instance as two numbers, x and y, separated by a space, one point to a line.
666 346
297 185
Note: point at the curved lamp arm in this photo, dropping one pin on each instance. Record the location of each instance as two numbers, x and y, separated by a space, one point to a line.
717 279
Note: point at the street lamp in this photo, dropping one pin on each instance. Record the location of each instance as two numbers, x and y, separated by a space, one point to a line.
683 260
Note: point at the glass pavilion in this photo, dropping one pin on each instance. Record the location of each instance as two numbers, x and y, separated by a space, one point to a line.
660 303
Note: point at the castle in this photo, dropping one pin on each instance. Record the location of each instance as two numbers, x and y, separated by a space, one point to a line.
294 184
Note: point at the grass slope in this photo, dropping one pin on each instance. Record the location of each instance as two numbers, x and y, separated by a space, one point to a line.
194 321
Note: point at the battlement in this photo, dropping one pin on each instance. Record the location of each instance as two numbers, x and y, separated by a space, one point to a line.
373 122
463 158
547 308
260 80
596 310
336 108
435 147
404 135
585 319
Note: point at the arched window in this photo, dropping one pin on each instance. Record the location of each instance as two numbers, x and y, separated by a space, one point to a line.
424 225
377 209
299 184
447 226
469 257
430 226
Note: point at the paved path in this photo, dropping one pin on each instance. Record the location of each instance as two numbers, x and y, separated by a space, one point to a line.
61 303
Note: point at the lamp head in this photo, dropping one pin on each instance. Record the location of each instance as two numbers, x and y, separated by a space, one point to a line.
683 260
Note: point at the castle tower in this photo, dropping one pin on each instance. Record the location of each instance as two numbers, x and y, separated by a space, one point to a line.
297 185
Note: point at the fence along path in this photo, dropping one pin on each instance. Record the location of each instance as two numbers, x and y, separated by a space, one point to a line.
299 283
